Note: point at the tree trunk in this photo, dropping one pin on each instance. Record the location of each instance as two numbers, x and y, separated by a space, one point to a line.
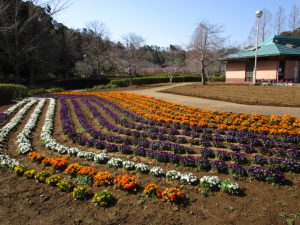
203 75
130 77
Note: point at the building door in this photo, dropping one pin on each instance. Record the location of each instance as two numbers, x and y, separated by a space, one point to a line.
249 70
281 70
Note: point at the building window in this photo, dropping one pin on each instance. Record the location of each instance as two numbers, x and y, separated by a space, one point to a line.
249 70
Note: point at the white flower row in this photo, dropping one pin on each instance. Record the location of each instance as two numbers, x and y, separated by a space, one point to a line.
23 139
4 131
173 175
157 172
52 144
128 165
188 178
210 182
15 106
214 183
5 160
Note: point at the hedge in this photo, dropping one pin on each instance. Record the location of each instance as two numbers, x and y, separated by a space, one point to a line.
9 92
154 80
72 83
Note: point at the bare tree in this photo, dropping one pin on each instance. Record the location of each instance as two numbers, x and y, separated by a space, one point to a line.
25 27
294 18
264 29
133 53
265 25
279 20
95 47
205 45
175 60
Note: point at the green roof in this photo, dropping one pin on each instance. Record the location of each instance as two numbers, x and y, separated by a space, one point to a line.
278 45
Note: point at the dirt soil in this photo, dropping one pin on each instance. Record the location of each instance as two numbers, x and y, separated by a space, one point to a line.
242 94
25 202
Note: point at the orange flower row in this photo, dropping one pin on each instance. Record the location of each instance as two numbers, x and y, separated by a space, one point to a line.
103 178
173 195
153 190
126 182
164 111
76 169
57 163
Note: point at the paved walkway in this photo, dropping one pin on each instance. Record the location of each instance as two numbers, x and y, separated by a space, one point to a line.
216 105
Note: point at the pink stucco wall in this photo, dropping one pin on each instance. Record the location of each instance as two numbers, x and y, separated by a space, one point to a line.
235 72
266 70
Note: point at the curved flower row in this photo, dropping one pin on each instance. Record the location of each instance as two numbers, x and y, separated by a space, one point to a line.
5 160
161 110
209 136
23 138
12 109
220 139
287 163
138 138
51 143
219 165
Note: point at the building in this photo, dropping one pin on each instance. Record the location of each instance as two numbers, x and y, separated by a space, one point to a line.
277 59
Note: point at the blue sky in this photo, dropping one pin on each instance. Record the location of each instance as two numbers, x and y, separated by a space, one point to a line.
164 22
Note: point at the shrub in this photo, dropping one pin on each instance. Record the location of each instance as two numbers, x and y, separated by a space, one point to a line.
152 190
72 169
19 170
53 180
115 162
189 178
210 182
36 157
142 168
55 89
36 91
9 92
30 174
237 171
41 176
173 175
74 83
128 165
81 192
59 163
103 179
103 198
127 183
230 187
65 186
101 158
173 195
163 78
157 172
84 180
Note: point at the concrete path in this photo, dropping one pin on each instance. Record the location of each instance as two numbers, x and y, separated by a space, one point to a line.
216 105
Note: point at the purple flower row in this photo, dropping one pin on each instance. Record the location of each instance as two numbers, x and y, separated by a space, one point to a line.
272 174
207 136
243 137
238 158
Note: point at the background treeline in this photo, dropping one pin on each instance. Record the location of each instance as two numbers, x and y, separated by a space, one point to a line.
36 50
